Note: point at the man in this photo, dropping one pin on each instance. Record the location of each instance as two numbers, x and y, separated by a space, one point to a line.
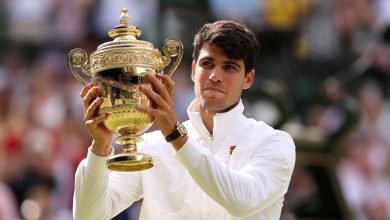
226 167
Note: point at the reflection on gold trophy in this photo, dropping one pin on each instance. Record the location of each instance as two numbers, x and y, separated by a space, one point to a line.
118 67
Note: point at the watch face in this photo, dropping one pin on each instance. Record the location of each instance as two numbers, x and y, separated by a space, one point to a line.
182 129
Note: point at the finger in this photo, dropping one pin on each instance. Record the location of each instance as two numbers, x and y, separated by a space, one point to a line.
91 111
168 82
158 87
90 96
94 122
85 89
153 81
149 110
157 100
165 119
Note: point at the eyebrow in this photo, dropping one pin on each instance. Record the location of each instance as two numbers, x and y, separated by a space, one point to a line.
228 62
206 58
232 62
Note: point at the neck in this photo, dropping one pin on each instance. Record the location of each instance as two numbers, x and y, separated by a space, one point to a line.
208 115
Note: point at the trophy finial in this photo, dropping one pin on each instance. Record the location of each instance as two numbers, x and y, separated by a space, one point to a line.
124 28
124 19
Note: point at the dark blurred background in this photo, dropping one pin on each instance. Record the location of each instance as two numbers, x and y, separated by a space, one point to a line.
322 75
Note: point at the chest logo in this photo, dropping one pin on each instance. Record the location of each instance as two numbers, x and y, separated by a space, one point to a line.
232 149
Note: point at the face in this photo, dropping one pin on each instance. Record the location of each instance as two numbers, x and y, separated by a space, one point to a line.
219 80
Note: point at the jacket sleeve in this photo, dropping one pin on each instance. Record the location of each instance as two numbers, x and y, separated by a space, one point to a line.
261 181
100 193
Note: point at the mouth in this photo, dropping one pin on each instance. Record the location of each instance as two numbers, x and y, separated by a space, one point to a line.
214 89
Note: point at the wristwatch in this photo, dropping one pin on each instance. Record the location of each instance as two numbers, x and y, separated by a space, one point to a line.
179 131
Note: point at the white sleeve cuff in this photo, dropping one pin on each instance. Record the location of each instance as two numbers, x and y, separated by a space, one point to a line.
96 165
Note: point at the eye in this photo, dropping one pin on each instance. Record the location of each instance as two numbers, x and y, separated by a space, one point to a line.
207 64
231 67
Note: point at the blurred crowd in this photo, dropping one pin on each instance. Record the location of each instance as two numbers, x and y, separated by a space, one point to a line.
323 75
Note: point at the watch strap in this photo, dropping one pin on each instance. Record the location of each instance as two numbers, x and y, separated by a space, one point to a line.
173 136
176 133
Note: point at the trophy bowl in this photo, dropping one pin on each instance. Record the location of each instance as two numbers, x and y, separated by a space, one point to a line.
118 68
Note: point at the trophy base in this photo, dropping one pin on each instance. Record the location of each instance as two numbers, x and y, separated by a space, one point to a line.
128 162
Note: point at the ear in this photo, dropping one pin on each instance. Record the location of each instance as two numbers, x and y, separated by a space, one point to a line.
248 81
193 66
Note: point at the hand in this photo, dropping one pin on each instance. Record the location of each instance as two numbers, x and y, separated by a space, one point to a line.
102 137
163 106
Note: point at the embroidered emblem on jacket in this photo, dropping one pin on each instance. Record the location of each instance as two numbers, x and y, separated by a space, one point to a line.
232 149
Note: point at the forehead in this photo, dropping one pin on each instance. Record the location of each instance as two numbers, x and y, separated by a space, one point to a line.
209 51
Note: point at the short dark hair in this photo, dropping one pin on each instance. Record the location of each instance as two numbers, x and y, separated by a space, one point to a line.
236 40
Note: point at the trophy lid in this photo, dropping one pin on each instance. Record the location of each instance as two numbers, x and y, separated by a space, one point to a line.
125 35
126 53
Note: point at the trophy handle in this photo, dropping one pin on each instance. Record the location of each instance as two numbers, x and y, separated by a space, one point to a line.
78 58
173 47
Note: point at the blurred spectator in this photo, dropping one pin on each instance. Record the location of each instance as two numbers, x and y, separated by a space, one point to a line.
284 15
363 186
250 13
383 15
356 22
71 21
375 113
36 172
282 20
28 21
8 208
180 18
320 37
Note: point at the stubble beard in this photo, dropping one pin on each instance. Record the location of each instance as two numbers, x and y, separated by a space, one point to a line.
217 107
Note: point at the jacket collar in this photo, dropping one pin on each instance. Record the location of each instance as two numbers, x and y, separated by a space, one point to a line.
224 123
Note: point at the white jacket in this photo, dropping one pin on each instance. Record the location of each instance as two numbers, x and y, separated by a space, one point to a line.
242 171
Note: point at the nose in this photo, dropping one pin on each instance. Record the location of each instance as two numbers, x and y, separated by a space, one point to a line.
216 75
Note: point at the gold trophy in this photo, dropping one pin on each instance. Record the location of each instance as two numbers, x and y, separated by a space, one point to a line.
118 67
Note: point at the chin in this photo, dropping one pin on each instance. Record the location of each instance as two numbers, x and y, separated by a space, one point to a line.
214 106
217 105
